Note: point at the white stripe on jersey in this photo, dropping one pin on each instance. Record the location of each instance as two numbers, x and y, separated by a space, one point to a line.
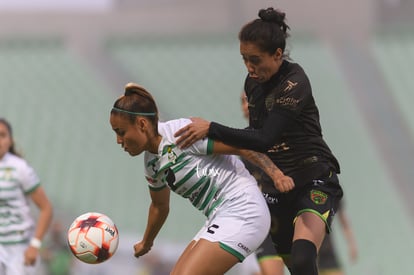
193 173
17 179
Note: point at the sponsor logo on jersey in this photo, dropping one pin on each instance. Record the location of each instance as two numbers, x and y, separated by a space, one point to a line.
287 101
204 172
290 85
279 147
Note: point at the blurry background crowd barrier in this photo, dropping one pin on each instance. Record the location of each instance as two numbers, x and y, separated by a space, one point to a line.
63 63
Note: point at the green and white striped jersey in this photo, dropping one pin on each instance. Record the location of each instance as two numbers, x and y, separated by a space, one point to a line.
206 180
17 180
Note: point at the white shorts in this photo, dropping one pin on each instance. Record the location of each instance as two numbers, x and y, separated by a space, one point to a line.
240 224
12 260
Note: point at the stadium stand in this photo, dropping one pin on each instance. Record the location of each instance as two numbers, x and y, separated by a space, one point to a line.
61 115
177 73
394 53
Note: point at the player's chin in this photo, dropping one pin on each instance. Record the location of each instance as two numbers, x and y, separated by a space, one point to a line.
134 153
262 79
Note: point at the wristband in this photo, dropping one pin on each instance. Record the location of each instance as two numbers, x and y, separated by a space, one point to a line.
36 243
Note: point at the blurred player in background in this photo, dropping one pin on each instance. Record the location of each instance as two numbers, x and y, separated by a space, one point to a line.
270 262
55 253
20 236
219 186
284 123
328 260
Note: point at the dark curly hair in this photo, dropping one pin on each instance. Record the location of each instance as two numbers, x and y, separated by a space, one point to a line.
269 32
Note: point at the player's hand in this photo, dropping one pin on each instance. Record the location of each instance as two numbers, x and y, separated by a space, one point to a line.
193 132
141 248
283 183
30 255
353 252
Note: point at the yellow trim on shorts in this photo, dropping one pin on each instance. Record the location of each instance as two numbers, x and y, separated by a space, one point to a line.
324 217
273 257
329 270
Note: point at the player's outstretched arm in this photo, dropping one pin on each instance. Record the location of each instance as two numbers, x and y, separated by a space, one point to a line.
349 235
282 183
157 214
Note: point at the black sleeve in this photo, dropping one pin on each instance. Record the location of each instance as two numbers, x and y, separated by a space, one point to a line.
253 139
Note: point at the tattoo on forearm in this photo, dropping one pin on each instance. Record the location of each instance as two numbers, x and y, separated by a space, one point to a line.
261 160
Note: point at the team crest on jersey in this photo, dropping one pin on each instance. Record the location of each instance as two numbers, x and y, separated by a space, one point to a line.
171 154
7 173
269 102
318 197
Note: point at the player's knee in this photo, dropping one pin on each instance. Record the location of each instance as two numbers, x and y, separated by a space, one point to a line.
303 258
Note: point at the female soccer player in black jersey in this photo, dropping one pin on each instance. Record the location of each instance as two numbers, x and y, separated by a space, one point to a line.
284 122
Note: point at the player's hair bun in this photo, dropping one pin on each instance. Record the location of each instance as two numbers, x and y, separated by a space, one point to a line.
275 16
134 88
271 15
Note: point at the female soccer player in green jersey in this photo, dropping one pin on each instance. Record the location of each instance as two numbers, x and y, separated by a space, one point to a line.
215 183
20 234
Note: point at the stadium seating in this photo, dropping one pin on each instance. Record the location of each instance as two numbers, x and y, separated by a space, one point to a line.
394 53
191 76
60 112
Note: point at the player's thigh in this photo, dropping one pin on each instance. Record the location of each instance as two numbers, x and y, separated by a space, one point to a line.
185 254
316 205
272 266
310 226
204 258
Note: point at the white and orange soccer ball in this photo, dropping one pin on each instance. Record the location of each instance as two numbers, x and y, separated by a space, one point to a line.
93 238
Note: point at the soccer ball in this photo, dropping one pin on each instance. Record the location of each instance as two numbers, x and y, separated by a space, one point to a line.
93 238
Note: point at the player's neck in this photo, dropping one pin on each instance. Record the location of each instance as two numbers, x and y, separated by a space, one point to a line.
154 144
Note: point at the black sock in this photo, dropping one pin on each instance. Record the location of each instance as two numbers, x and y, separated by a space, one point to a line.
303 258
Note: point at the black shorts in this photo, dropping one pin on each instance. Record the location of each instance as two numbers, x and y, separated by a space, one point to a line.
319 195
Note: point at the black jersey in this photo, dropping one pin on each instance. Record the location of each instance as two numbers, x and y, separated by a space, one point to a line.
284 123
